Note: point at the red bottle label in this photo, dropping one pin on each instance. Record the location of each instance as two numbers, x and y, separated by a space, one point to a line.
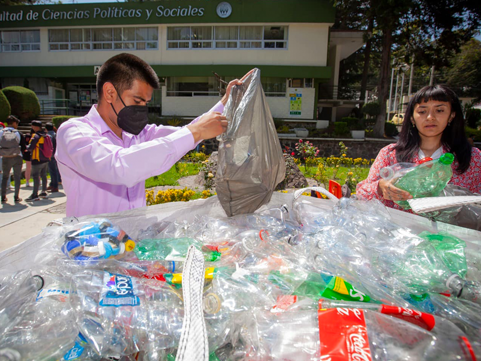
421 319
343 335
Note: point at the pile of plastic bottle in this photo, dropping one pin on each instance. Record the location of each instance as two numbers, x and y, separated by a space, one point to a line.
303 284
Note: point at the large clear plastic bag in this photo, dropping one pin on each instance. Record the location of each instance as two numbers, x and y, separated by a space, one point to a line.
251 163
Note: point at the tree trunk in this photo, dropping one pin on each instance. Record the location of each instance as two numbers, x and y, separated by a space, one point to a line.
383 86
367 58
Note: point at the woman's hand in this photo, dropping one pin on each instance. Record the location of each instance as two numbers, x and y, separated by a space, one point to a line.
231 84
392 193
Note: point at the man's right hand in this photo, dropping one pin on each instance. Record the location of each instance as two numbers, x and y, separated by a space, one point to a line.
209 125
392 193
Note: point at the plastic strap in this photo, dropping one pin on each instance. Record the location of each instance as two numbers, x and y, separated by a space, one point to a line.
421 205
322 190
193 343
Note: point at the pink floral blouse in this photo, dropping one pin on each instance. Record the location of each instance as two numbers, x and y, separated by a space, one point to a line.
368 188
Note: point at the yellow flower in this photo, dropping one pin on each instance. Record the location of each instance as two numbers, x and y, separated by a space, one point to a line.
350 173
343 155
210 175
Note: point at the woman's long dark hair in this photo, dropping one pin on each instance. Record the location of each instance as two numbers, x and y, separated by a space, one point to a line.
453 138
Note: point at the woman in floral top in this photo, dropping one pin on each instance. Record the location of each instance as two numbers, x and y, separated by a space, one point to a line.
433 125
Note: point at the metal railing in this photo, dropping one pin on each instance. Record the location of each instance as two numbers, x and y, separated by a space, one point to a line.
55 106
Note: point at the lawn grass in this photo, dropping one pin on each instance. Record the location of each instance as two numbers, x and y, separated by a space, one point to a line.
171 177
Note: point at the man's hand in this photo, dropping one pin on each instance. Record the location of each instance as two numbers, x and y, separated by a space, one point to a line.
231 84
392 193
209 125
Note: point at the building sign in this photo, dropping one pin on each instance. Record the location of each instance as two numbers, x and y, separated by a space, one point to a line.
111 12
295 103
166 12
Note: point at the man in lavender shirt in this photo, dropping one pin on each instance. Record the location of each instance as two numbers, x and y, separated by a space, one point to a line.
105 156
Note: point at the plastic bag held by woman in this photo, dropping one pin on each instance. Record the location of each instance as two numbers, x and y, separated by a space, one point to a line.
251 163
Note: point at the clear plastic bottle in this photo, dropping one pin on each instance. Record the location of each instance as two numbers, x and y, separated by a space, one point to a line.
427 179
46 329
396 170
120 315
355 334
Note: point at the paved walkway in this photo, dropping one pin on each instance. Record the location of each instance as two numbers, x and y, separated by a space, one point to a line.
19 222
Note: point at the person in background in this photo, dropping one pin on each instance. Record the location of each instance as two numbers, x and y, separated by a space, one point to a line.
52 164
39 161
27 158
106 156
12 145
433 125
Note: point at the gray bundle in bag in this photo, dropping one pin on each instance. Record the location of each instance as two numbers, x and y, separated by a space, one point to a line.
251 163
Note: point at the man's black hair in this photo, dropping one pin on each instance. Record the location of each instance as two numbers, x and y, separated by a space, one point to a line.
49 126
12 119
121 70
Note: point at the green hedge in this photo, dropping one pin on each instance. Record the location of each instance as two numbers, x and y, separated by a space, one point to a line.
471 131
351 121
23 101
473 116
391 130
341 129
5 109
60 119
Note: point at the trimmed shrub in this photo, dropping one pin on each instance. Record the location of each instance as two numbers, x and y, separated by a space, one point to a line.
58 120
341 129
473 116
471 131
390 129
5 109
373 109
23 101
351 121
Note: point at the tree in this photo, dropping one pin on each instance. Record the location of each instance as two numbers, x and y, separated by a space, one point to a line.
464 71
451 23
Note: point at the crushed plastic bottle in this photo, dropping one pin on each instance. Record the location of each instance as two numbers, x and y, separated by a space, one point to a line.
355 334
120 315
427 179
172 249
99 239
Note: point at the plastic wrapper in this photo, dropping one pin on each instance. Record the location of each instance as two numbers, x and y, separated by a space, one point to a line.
98 239
251 163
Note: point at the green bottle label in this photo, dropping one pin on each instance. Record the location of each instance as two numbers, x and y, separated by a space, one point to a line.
339 289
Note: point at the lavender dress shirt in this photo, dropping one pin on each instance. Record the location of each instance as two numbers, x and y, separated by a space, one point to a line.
102 173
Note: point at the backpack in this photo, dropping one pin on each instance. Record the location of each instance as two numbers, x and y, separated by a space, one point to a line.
47 148
9 143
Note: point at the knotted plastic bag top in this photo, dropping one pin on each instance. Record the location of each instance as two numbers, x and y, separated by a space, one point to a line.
251 163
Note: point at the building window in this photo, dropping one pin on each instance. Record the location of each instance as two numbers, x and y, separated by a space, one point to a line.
301 83
19 40
189 37
227 37
274 86
103 39
192 86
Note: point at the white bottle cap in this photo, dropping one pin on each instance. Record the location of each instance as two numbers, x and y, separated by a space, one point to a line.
101 247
